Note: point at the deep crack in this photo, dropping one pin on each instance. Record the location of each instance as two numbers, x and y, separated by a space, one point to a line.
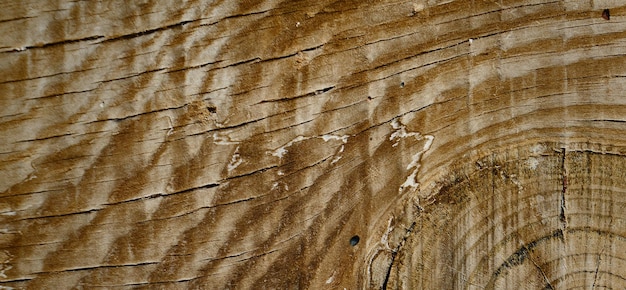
394 253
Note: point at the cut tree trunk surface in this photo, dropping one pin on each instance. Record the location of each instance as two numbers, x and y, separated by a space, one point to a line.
313 144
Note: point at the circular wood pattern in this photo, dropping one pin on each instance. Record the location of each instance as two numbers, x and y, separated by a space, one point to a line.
243 144
539 217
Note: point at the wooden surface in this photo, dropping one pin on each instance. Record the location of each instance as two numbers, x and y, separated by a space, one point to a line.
244 144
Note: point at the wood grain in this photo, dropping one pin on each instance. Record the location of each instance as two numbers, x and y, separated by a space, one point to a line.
243 144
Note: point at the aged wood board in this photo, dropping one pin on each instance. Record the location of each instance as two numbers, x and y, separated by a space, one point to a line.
426 144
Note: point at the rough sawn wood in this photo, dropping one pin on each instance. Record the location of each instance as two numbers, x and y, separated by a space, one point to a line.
244 144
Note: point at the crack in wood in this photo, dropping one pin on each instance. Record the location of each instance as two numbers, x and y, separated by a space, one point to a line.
148 32
99 267
94 210
314 93
119 119
543 273
56 43
562 205
61 94
394 252
134 75
386 281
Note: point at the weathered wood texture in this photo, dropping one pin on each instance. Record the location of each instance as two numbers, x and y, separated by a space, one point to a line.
242 144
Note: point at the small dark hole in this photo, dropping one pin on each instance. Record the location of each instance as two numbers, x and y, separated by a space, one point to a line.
354 240
212 110
369 98
402 84
606 14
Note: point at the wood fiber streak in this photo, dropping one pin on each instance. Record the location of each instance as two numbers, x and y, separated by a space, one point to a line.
242 144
